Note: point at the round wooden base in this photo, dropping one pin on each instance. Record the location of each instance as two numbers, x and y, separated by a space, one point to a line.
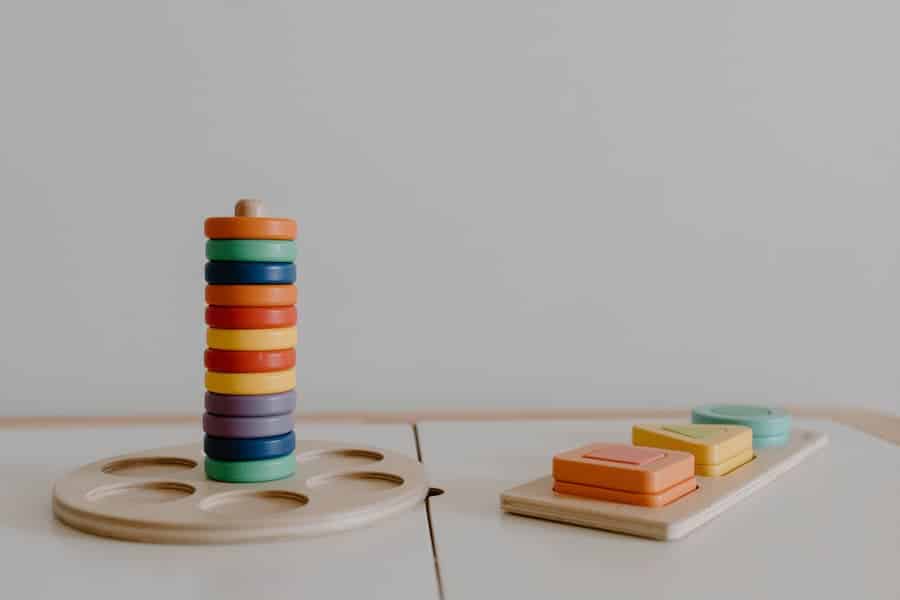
163 496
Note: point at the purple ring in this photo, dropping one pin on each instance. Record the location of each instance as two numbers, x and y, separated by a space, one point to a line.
247 427
261 405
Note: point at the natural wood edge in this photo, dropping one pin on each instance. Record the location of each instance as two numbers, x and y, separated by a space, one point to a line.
878 424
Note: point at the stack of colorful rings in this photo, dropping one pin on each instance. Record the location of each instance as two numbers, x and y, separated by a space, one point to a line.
250 359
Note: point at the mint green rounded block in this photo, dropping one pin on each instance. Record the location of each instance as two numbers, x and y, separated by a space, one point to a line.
764 421
251 471
770 441
252 250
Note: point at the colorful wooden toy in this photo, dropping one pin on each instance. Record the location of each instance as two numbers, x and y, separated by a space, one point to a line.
257 405
675 520
250 273
249 361
250 343
717 449
625 474
280 338
251 250
771 426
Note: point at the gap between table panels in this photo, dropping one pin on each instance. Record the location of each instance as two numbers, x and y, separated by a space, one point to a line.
432 492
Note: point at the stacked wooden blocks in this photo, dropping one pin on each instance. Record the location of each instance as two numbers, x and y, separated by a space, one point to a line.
251 337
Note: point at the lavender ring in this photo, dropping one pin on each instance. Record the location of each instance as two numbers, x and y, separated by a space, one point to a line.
247 427
260 405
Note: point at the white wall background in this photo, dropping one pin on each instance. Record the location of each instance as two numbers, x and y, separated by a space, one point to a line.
503 204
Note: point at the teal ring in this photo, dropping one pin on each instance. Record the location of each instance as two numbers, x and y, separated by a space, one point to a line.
251 250
763 420
251 471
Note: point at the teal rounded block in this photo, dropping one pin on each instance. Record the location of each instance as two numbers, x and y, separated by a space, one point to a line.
251 250
763 420
771 441
251 471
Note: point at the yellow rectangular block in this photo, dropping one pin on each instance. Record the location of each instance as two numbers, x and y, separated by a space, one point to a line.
717 449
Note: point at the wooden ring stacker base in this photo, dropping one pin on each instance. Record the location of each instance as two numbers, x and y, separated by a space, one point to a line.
163 495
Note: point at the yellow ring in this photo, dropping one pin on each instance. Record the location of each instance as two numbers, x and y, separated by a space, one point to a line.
244 384
280 338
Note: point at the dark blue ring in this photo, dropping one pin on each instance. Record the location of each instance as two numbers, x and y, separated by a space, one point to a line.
249 448
242 273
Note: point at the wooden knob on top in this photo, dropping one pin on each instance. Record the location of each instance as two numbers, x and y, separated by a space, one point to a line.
249 207
249 223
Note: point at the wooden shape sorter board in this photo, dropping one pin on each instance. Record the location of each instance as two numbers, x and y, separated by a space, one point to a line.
163 496
713 496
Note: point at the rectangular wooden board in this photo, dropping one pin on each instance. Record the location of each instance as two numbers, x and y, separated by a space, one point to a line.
713 496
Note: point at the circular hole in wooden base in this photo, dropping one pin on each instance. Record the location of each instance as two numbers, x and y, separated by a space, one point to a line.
334 460
356 482
152 466
154 492
248 505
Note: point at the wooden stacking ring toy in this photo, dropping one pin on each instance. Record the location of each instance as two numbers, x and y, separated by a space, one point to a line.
272 382
252 250
336 486
250 317
257 405
251 471
280 338
252 273
249 361
247 427
251 295
249 448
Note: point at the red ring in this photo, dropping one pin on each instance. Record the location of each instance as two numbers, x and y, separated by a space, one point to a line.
250 317
249 361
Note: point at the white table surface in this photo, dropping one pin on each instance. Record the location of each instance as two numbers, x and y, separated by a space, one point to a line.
43 558
830 528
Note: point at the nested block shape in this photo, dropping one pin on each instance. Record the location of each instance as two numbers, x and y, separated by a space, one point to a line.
609 495
763 420
623 467
710 444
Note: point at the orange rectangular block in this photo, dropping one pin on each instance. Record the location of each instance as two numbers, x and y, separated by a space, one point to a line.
650 500
623 467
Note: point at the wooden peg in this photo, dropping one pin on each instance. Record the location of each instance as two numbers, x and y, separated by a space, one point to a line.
249 207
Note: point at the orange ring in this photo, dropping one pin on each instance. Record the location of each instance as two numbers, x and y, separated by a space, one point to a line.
251 295
249 228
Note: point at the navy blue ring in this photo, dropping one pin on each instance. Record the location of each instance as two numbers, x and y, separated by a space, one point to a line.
221 448
222 272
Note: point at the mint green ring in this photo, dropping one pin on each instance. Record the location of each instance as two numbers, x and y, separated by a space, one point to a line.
251 471
252 250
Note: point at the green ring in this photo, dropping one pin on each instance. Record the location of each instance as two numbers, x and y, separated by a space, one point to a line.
252 250
771 441
763 420
251 471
